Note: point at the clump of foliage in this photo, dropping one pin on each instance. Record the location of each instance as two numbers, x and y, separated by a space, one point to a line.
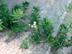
36 36
35 15
46 25
25 44
18 21
14 20
44 29
4 13
25 5
61 40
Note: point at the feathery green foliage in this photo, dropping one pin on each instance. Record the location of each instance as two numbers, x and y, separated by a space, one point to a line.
13 20
35 15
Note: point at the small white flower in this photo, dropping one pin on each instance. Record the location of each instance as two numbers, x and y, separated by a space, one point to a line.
34 23
32 26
